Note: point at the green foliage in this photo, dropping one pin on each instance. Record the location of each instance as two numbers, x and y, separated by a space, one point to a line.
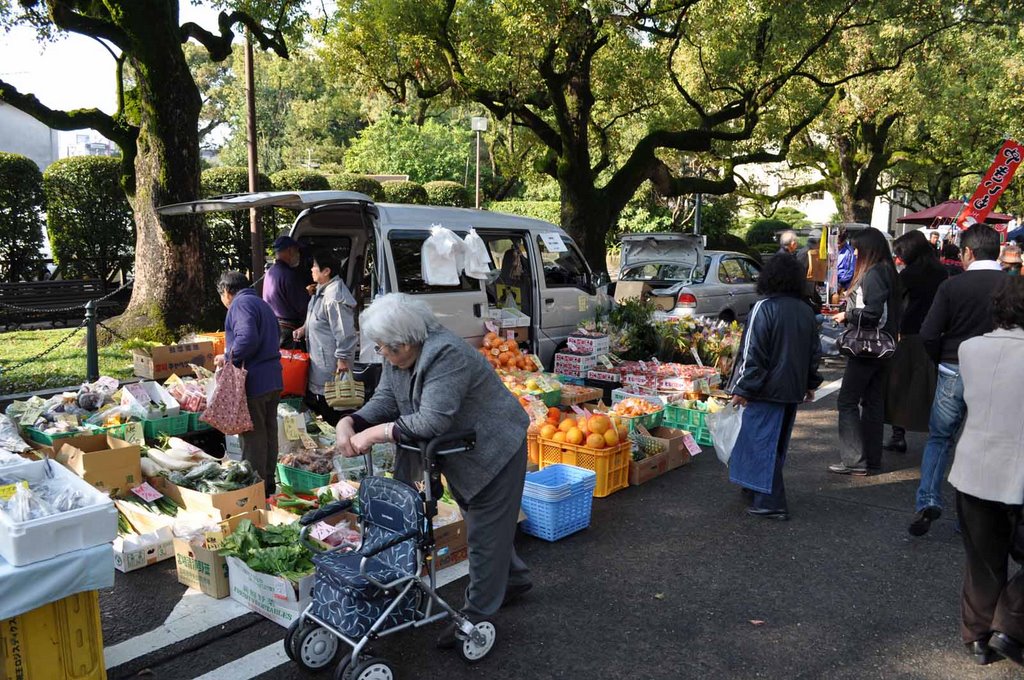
401 191
443 192
394 146
735 243
229 244
358 183
793 217
21 222
549 211
635 318
63 367
298 179
763 231
89 220
765 248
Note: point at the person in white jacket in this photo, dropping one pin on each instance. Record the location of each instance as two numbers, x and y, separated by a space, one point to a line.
988 474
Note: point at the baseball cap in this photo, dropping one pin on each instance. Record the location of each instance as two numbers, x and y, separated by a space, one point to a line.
283 242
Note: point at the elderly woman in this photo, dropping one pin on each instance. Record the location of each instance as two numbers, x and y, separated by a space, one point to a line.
329 331
434 382
988 474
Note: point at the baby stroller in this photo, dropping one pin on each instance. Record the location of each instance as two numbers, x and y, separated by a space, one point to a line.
386 585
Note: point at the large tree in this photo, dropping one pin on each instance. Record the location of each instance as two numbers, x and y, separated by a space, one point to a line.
608 87
156 125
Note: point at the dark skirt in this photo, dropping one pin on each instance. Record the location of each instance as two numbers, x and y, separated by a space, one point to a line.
910 386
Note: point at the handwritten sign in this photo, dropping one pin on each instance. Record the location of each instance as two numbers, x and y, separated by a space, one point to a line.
291 429
133 433
7 490
147 493
691 445
307 441
31 415
553 242
213 540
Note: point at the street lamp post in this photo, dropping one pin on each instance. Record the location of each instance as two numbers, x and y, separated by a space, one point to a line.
479 124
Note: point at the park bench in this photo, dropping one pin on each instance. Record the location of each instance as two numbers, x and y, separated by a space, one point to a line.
57 301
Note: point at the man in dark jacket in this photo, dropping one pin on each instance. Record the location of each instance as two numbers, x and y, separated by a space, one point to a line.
962 309
284 289
251 342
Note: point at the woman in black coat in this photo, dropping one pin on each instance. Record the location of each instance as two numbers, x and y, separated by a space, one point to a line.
912 376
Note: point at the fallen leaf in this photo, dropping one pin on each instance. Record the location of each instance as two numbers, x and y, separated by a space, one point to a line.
757 622
659 596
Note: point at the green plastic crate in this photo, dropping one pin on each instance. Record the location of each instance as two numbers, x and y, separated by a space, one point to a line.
171 425
702 436
42 438
300 480
294 402
196 425
119 431
649 421
552 398
685 418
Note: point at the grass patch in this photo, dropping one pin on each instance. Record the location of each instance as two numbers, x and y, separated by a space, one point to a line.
63 367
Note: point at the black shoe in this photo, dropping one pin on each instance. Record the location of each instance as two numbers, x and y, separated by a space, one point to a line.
777 515
841 469
447 639
1006 647
981 653
897 445
513 593
923 520
747 494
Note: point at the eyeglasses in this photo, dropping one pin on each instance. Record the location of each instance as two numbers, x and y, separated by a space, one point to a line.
379 349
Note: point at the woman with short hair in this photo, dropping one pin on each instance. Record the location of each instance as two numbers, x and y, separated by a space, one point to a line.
988 474
432 383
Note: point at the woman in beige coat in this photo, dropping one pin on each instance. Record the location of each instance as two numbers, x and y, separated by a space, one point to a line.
988 473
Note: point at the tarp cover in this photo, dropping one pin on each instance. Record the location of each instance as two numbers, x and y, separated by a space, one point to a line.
33 585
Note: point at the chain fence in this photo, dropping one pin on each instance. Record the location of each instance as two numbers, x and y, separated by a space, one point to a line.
4 370
71 308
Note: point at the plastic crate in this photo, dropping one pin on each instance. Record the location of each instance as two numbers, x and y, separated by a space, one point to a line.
122 431
294 402
298 479
557 501
685 418
702 436
649 421
569 380
62 639
552 398
171 425
196 425
41 437
611 464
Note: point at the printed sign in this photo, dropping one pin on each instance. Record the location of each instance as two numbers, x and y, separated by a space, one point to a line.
992 185
553 243
691 445
7 490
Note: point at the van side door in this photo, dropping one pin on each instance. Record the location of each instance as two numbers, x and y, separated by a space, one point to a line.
566 296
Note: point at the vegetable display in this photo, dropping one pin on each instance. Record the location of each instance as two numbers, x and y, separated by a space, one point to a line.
175 455
272 550
41 499
319 461
213 477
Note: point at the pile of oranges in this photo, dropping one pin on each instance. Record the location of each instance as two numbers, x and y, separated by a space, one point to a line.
505 354
595 431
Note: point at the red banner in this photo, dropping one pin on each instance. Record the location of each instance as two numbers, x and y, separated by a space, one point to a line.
992 185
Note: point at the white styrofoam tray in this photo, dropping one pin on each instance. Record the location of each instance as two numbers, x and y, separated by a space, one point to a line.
158 395
40 539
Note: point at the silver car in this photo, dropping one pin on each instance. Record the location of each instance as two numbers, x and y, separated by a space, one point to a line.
686 280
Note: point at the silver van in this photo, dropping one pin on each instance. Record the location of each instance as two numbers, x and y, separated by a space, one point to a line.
535 263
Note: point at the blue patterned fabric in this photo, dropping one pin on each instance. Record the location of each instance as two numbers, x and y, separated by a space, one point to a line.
343 597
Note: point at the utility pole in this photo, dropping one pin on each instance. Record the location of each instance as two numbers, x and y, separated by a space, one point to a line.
479 124
255 233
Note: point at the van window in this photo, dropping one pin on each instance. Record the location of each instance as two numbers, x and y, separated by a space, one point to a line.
405 250
511 262
563 270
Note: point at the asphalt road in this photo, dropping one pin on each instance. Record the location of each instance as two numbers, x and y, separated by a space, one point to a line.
671 580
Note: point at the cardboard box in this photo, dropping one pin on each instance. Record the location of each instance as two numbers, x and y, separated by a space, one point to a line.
136 393
143 550
47 451
641 471
109 464
663 303
628 290
162 361
202 569
590 345
274 597
220 506
450 546
671 441
576 365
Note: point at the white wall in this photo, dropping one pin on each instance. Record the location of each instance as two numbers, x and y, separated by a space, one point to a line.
22 134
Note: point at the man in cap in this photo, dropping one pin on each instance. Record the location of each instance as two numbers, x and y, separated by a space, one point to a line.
284 289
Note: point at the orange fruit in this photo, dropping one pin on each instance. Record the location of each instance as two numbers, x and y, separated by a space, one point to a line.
554 412
567 424
599 424
547 431
611 438
558 437
596 441
574 436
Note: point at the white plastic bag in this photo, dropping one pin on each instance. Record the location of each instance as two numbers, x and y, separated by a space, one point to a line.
442 258
478 262
725 429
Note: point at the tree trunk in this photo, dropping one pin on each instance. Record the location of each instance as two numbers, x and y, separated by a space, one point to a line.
587 218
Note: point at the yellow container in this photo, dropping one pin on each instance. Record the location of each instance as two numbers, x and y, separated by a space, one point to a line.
60 640
611 464
216 337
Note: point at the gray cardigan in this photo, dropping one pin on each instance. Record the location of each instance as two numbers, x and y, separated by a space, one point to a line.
989 461
452 387
330 331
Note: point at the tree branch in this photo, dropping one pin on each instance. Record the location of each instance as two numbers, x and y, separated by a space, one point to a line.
118 131
219 46
67 19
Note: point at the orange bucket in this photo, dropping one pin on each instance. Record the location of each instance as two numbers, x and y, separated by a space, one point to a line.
295 372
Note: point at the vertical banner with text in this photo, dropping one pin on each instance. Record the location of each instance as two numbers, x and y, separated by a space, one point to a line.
992 185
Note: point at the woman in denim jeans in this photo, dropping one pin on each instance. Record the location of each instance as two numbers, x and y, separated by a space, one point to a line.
873 302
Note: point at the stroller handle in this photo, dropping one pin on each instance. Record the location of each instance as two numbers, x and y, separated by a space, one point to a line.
456 441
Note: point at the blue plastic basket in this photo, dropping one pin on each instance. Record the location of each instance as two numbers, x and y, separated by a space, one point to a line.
557 501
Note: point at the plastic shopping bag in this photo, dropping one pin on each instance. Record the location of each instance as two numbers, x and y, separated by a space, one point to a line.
725 429
478 261
442 258
227 409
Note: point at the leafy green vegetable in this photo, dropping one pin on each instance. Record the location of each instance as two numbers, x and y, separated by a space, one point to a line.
273 550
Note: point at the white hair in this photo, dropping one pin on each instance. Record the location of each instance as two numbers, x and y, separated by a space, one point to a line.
397 319
787 237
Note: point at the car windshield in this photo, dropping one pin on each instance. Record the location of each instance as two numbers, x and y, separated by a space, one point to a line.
667 272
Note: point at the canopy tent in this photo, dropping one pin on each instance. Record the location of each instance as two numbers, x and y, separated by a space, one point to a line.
946 212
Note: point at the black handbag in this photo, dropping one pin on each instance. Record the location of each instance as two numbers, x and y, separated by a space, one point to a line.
866 343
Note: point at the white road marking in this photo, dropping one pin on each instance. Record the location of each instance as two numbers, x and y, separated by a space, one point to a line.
828 389
250 665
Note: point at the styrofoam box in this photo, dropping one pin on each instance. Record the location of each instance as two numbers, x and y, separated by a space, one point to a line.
587 344
232 447
620 394
40 539
159 396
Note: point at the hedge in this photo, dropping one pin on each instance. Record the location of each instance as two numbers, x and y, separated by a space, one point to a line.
400 191
21 217
298 179
358 183
443 192
228 240
763 231
89 220
549 211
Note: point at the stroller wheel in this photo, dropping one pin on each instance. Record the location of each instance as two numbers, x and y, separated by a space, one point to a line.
341 672
313 647
371 669
472 651
289 638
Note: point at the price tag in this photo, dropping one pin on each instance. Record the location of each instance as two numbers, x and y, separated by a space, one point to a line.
68 418
490 326
583 301
291 429
7 490
307 441
325 428
31 414
577 410
133 433
553 242
282 588
214 540
696 357
321 531
605 361
147 493
692 446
